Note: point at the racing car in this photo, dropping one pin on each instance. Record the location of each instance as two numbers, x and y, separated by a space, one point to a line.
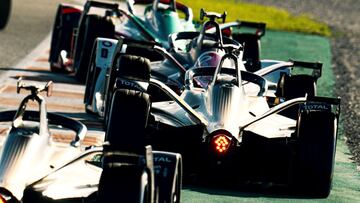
226 131
124 169
76 28
29 158
112 174
188 49
5 8
28 151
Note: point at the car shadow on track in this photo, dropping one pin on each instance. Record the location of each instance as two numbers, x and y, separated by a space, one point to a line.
48 77
41 75
90 120
247 191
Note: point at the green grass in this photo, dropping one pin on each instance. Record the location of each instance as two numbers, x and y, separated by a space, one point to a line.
275 18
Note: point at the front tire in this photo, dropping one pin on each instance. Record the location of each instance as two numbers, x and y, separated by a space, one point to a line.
94 26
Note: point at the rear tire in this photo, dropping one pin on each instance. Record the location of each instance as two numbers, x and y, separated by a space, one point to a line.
126 133
94 26
128 66
128 117
5 7
61 38
316 153
294 86
90 79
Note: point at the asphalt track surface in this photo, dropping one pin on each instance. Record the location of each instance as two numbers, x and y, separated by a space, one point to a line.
30 22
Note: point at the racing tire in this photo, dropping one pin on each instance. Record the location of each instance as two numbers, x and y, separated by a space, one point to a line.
126 132
294 86
128 117
61 38
169 186
5 8
290 87
94 26
129 183
90 80
128 66
176 194
316 153
54 57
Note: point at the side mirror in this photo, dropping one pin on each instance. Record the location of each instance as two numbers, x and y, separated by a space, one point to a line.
130 5
49 88
19 85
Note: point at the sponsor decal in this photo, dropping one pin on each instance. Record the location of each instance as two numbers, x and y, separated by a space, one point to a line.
130 84
106 43
162 159
316 107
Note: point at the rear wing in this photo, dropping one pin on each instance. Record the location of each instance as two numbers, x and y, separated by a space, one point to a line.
56 119
316 67
179 6
99 4
258 26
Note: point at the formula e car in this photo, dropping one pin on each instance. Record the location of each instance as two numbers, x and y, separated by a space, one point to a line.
5 8
110 175
228 123
188 46
76 28
28 151
123 170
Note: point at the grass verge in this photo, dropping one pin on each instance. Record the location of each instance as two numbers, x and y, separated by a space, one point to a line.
275 18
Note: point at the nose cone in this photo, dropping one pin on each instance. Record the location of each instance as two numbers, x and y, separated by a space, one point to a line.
19 159
227 106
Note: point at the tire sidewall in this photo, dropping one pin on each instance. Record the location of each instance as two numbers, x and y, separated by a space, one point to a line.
316 153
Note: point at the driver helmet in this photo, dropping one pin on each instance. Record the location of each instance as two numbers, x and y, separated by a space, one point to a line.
212 59
209 59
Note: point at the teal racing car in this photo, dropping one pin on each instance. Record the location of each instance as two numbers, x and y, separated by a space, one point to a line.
76 28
